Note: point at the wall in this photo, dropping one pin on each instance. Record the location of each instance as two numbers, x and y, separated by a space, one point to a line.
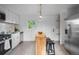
62 28
46 24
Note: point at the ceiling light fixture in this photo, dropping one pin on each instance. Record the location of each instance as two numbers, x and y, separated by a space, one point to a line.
40 11
40 16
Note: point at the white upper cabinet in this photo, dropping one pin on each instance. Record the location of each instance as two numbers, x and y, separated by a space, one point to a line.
11 17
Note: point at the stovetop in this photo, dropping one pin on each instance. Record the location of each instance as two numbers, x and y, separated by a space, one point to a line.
4 36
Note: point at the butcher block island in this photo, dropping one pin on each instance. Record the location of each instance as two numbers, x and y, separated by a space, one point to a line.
40 43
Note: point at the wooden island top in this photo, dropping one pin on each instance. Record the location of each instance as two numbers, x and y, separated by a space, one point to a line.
40 43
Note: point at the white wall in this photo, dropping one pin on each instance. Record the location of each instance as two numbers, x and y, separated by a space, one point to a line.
46 25
62 28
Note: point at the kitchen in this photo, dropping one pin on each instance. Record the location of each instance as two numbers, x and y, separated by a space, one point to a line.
18 27
9 31
24 31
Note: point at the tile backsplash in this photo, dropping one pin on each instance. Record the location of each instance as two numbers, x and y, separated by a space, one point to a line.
6 28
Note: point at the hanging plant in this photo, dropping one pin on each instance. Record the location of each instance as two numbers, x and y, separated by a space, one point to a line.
31 23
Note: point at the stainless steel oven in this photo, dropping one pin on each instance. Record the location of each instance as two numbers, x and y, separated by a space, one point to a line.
2 48
3 39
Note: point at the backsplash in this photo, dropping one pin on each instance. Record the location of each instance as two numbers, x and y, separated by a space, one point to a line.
6 28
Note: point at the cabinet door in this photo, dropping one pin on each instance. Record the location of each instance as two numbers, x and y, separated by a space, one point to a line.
18 37
13 41
8 17
11 17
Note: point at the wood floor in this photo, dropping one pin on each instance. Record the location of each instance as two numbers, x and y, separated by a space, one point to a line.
59 49
25 48
28 48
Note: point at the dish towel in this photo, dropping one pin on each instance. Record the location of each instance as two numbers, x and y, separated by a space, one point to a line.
7 45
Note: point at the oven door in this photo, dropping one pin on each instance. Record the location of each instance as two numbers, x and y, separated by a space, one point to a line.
2 48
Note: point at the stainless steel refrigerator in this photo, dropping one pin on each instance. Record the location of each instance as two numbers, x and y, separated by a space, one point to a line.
71 41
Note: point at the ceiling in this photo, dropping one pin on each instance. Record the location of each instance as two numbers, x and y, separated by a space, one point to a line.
34 9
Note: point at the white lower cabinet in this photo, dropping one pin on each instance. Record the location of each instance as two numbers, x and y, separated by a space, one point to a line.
15 39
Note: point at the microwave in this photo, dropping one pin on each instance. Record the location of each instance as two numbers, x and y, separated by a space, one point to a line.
2 16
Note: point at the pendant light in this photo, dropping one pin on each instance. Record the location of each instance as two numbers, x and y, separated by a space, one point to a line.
40 11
